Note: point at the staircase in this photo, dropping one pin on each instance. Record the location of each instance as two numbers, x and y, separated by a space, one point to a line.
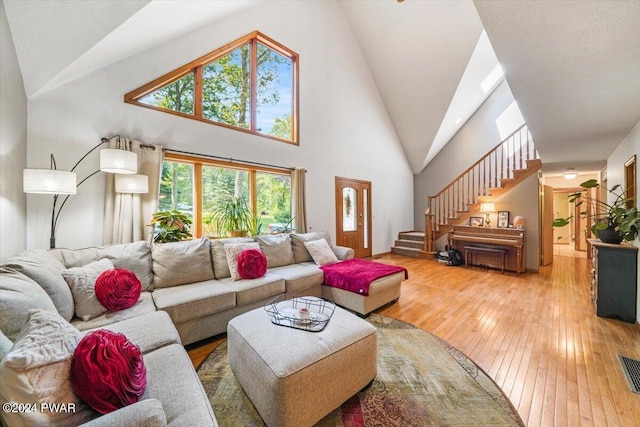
498 171
410 243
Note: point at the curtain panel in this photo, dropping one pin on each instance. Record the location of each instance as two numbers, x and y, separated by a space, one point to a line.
298 200
127 216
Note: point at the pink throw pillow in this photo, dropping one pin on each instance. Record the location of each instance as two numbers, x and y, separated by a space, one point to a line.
118 289
252 263
107 371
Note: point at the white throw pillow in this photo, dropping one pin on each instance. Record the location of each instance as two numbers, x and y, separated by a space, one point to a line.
232 250
35 372
82 281
321 252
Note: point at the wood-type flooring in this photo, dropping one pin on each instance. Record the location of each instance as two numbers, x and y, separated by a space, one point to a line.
535 334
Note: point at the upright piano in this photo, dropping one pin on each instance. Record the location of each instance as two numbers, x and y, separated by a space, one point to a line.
490 247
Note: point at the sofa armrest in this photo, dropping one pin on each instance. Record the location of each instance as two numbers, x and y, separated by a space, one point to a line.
148 413
343 252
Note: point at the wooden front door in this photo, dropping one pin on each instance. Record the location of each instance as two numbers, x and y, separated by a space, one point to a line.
353 215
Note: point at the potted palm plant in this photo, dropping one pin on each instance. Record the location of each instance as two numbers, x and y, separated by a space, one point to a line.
233 217
614 221
170 226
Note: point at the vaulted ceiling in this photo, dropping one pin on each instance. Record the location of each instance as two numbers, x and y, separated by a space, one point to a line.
573 67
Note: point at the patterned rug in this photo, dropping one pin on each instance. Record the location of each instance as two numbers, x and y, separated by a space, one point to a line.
421 381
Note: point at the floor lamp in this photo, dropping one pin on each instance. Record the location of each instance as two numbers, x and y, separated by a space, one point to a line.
57 182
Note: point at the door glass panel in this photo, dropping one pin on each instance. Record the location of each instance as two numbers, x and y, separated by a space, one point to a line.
365 219
349 204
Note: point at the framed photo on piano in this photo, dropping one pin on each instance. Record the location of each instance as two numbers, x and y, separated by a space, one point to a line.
503 219
476 221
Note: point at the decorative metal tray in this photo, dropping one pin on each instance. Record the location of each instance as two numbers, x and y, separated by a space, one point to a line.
306 313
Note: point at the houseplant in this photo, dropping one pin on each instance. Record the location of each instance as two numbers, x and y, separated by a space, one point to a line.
170 226
614 221
254 225
232 217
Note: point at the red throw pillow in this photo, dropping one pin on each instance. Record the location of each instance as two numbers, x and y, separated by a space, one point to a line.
118 289
107 371
252 263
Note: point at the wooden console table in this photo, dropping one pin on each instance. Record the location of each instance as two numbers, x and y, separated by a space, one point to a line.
485 246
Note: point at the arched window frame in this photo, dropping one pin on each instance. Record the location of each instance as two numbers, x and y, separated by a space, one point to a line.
197 66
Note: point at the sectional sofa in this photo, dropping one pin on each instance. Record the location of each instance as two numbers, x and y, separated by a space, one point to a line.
188 294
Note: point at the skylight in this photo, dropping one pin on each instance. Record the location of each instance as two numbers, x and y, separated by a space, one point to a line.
493 78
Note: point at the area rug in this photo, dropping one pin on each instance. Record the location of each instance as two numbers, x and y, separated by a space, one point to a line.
421 381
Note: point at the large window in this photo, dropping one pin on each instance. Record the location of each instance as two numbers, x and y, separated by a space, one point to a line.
198 186
250 85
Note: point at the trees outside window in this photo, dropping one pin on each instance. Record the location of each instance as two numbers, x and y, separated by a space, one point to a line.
197 187
249 85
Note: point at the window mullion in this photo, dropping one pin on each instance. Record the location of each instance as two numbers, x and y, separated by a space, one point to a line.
253 191
197 90
254 84
197 199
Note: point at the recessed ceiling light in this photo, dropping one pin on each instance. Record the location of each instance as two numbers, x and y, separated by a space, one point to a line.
494 76
458 120
570 173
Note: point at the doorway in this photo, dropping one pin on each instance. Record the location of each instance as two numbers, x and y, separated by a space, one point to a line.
570 240
353 215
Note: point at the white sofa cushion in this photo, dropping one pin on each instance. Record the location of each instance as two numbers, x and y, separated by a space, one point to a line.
321 252
232 250
18 295
194 300
301 279
300 252
249 291
220 263
143 306
134 256
46 270
82 281
36 371
277 249
178 263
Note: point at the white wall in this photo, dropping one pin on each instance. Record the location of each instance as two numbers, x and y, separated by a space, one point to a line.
615 175
476 138
344 128
13 146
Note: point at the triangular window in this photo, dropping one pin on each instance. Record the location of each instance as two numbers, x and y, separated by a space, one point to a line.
250 84
176 96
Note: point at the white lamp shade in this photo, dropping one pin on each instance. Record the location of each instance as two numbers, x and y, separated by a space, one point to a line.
48 181
487 207
133 183
118 161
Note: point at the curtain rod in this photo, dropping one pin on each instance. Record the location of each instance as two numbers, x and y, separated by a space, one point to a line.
229 159
207 156
103 140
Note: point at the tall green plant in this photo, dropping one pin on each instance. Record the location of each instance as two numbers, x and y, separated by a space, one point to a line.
232 216
170 226
625 221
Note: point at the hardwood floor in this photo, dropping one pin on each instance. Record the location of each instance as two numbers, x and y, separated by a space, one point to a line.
535 334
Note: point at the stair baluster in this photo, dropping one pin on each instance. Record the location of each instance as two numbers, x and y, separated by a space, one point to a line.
495 172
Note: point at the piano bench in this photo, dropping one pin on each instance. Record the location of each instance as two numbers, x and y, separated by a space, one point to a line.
469 250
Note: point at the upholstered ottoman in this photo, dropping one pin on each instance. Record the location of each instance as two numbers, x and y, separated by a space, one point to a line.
381 291
295 377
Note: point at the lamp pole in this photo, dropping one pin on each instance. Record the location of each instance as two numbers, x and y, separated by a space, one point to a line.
56 210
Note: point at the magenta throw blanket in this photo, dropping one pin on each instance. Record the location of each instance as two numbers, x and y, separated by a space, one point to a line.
356 275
